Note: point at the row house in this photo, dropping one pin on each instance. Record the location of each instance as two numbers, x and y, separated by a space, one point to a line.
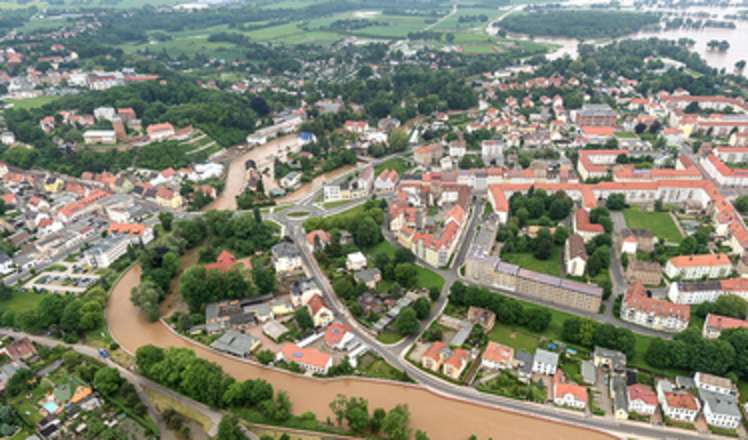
694 267
697 292
640 309
715 324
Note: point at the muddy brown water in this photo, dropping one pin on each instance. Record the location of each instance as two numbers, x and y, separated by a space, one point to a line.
442 418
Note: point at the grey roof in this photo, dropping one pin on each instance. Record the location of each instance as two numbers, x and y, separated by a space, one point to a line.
720 403
525 360
545 357
258 309
616 357
596 110
285 249
589 374
684 382
235 343
367 275
698 286
619 388
462 334
300 286
274 329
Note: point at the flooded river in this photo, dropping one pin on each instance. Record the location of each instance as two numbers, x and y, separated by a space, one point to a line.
263 155
738 37
442 418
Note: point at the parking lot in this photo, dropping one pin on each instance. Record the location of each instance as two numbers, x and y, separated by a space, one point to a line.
74 280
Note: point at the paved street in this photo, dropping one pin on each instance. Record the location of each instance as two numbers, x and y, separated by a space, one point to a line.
395 354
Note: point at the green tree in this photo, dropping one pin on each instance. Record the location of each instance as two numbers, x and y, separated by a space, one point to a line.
422 306
166 219
304 319
107 381
229 429
396 424
407 322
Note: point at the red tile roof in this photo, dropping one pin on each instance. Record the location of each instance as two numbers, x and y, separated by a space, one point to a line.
636 298
335 333
642 392
305 356
683 261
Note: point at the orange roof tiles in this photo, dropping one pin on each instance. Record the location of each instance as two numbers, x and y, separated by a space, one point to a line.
636 298
305 356
700 260
498 353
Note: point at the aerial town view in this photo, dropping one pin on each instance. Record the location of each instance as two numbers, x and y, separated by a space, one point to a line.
373 219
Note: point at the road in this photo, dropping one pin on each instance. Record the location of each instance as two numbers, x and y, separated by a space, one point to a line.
395 353
439 21
434 402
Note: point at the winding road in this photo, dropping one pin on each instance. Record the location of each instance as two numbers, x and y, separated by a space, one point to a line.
442 409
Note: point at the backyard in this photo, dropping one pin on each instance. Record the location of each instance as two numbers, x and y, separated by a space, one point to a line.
661 224
551 266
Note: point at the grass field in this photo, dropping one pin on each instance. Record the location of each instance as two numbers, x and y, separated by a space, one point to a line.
396 163
426 277
31 102
660 224
20 302
551 266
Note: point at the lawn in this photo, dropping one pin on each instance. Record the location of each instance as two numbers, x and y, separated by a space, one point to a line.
396 163
373 366
425 277
389 337
661 224
21 302
30 103
551 266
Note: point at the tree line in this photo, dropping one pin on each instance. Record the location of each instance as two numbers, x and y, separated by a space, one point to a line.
181 370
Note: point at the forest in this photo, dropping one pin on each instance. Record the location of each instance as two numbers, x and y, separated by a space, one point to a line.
580 24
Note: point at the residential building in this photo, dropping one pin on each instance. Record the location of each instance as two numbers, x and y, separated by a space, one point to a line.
568 394
611 359
648 273
582 226
317 240
545 362
310 359
641 309
490 271
236 343
720 410
698 292
303 290
575 256
714 384
642 399
619 396
107 251
6 264
160 132
368 277
439 357
680 406
386 181
497 357
286 257
321 315
338 335
696 267
291 180
355 261
714 324
483 317
99 137
595 115
227 261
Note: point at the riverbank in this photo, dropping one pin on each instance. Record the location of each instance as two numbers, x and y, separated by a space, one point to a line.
433 413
